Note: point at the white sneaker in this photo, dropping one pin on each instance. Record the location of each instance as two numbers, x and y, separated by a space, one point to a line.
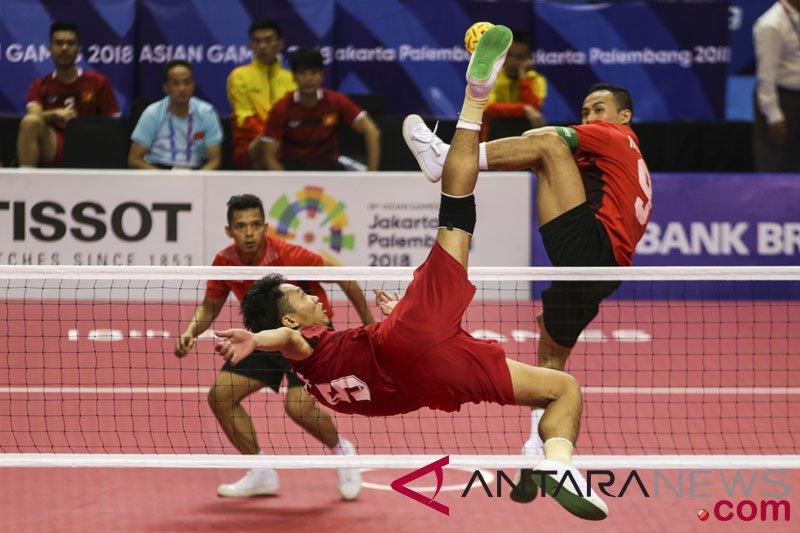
428 149
260 482
349 478
487 60
577 503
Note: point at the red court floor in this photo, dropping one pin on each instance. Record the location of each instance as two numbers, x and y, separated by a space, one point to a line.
659 377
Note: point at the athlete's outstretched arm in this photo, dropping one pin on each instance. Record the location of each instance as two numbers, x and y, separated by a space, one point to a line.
238 344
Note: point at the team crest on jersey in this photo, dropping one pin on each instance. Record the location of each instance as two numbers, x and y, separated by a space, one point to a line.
329 119
87 96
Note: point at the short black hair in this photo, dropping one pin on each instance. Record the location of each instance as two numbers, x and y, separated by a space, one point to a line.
306 59
521 36
176 63
621 95
240 202
63 26
264 305
265 24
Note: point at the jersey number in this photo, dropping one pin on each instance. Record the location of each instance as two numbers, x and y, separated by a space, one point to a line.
643 207
347 389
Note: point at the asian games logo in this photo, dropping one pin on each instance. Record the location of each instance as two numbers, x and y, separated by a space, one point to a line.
314 219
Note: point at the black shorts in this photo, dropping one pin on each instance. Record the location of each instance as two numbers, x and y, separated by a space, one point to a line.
575 238
266 367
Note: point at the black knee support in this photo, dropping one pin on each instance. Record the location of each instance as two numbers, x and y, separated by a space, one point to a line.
457 213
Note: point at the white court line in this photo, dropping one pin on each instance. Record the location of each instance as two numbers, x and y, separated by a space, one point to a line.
762 462
776 391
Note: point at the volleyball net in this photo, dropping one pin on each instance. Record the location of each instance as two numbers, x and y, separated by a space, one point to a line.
682 366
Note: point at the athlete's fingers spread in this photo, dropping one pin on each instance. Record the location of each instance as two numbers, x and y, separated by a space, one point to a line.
224 333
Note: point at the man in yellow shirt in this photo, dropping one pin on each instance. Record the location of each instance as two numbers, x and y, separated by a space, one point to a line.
253 89
520 90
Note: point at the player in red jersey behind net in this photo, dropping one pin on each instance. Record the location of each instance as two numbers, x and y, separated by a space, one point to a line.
593 215
420 356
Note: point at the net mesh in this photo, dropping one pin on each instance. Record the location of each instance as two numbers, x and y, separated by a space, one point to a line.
679 362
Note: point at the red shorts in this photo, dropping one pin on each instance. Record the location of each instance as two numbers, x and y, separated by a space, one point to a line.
439 364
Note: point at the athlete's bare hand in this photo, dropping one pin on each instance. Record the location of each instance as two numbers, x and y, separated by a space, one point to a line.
183 345
65 113
236 344
385 301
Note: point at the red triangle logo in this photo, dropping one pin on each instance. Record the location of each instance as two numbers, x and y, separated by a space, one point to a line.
437 466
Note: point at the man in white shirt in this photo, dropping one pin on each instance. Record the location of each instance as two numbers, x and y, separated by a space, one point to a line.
776 136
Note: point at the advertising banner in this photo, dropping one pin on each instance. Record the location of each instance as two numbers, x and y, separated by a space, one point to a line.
178 218
63 217
660 51
715 220
387 219
411 52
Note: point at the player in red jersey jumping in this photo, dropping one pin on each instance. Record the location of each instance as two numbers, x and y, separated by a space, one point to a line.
420 356
593 215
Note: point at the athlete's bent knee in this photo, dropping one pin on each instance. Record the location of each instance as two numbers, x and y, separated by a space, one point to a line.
552 145
31 122
219 400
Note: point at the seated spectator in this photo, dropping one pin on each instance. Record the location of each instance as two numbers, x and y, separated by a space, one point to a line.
301 128
58 97
179 131
520 90
252 91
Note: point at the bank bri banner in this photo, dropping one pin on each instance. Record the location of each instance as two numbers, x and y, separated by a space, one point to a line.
715 220
672 55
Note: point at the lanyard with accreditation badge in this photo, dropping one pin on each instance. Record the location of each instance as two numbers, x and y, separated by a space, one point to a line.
189 140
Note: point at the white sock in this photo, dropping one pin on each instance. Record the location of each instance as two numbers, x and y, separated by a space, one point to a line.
467 125
483 163
337 448
536 417
262 470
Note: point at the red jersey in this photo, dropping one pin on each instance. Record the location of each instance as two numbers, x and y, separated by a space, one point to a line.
417 357
89 95
344 373
309 134
617 183
277 252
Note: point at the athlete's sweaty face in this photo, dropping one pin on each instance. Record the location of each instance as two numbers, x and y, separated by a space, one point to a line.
305 309
601 105
247 229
